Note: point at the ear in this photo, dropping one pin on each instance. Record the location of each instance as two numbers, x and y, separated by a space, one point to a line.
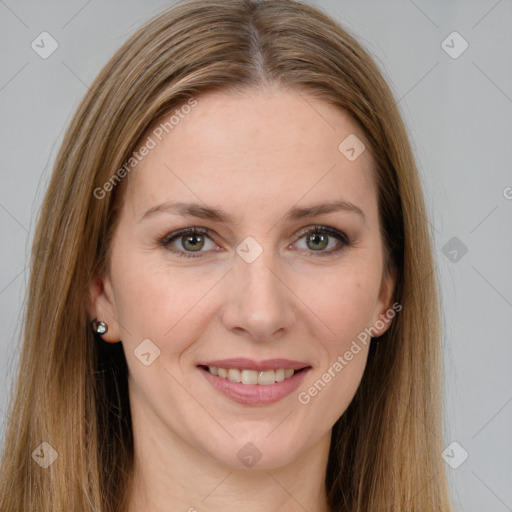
385 311
100 305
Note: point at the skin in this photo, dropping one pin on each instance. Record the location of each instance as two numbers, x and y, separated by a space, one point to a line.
290 302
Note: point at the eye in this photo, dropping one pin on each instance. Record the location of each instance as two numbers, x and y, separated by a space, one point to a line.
188 241
317 240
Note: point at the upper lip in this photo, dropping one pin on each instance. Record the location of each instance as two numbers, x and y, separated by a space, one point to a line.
250 364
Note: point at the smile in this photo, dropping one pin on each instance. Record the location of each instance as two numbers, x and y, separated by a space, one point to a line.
251 383
262 378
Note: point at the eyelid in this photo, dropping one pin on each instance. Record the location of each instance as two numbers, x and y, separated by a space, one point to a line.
195 230
317 228
185 231
341 236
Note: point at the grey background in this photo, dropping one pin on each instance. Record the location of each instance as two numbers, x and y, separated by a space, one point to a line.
459 114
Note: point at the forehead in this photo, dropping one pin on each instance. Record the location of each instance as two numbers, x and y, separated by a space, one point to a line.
254 146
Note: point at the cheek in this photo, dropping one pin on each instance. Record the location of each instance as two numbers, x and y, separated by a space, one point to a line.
329 392
154 301
345 302
346 307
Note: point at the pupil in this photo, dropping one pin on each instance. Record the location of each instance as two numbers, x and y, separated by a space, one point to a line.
194 245
319 239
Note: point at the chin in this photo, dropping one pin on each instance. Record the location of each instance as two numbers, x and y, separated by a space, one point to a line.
257 452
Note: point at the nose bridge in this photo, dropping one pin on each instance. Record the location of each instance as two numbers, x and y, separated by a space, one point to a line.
260 303
258 277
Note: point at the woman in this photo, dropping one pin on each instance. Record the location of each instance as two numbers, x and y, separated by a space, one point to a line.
232 300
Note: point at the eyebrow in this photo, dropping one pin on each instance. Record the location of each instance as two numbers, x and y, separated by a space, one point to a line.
217 214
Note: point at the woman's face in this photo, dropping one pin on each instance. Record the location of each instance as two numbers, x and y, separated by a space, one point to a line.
273 280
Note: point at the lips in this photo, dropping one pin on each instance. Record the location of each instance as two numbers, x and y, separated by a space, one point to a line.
249 364
262 377
254 383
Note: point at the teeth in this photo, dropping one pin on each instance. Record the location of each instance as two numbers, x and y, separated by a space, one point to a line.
280 374
234 375
266 378
249 377
263 378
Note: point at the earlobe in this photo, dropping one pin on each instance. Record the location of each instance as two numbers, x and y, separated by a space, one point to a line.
101 309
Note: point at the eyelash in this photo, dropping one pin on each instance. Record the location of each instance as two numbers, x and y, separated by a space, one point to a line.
325 230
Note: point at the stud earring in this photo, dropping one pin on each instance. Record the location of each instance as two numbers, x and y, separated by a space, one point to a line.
99 327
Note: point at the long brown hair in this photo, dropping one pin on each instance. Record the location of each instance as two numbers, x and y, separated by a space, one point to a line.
71 390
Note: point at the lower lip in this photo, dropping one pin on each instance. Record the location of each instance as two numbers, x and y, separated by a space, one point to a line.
255 394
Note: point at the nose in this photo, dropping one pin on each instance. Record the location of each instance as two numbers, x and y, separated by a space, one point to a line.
259 304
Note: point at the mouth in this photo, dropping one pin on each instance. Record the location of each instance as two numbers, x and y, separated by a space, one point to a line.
251 383
253 377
